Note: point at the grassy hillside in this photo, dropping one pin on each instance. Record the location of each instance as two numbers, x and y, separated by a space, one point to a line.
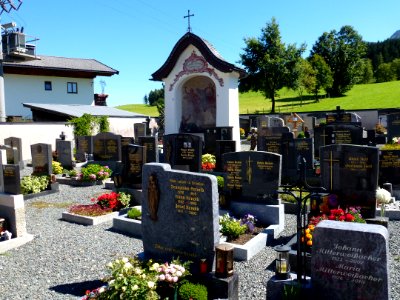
362 96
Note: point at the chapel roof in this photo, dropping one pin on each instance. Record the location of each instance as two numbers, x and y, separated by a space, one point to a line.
206 49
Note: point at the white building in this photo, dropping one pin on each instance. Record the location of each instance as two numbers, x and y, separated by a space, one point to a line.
50 80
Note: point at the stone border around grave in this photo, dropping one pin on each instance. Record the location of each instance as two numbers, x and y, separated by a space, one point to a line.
74 182
125 225
86 220
15 242
54 189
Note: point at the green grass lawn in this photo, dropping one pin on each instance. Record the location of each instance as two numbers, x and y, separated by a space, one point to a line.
362 96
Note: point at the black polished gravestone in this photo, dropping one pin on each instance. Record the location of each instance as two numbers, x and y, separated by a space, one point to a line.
65 154
12 157
351 172
42 159
126 140
223 147
180 215
389 166
393 126
211 135
139 129
11 179
252 176
107 147
84 147
305 148
133 159
344 134
183 151
151 145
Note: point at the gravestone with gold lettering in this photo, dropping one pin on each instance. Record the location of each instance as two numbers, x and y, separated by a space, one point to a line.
133 159
252 176
223 146
107 147
183 151
151 148
139 129
389 166
180 216
350 261
351 172
42 158
393 126
84 147
11 179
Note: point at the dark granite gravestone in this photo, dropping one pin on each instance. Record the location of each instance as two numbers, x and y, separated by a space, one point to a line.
252 176
183 151
350 261
15 142
180 216
151 144
320 138
42 158
65 154
11 179
393 126
389 166
139 129
84 147
3 160
351 172
11 154
305 148
126 140
107 147
338 133
271 144
211 135
221 148
133 159
270 135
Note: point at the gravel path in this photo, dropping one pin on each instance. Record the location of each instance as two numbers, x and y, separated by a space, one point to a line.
65 259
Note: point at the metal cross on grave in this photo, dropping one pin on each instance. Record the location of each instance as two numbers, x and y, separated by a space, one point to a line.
188 17
331 161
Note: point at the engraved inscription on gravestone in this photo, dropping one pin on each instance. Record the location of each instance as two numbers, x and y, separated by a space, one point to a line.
107 147
389 166
41 159
12 180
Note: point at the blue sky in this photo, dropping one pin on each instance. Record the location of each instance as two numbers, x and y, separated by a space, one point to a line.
135 37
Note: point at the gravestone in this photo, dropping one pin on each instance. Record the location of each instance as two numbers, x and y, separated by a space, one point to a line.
107 147
337 133
393 126
139 129
389 166
65 154
42 158
350 261
180 216
12 158
305 148
252 176
3 160
151 147
11 179
126 140
221 148
183 151
351 172
84 147
133 159
211 135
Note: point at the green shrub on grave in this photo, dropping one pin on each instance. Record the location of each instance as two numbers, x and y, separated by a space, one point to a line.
34 184
56 167
134 213
193 291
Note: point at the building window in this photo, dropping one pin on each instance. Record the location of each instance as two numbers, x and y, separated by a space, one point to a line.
72 88
47 86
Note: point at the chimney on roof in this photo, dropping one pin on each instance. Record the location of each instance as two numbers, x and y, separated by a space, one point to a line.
100 99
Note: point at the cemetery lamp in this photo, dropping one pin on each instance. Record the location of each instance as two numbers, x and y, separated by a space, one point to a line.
223 260
282 266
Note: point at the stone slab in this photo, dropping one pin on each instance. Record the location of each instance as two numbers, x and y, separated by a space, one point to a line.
86 220
15 242
128 226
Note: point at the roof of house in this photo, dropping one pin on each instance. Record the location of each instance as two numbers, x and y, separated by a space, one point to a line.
59 66
206 49
77 110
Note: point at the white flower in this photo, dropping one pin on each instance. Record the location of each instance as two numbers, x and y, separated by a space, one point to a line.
383 196
135 287
125 260
178 273
128 265
110 265
102 289
151 284
111 282
123 288
138 271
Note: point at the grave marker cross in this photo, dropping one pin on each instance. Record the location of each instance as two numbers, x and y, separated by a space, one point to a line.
188 17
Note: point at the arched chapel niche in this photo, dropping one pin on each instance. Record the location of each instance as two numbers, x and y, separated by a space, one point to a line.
198 96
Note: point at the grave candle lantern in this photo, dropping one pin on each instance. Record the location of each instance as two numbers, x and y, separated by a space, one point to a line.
224 261
282 266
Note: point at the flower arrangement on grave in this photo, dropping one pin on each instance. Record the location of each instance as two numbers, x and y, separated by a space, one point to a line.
94 172
34 184
232 228
350 214
56 167
242 133
208 162
383 197
102 205
131 278
393 144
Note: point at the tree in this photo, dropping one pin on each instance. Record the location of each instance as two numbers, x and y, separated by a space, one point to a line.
306 80
366 74
146 100
385 73
155 96
269 63
395 65
342 51
323 75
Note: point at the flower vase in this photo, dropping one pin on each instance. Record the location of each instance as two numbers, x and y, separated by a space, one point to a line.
382 210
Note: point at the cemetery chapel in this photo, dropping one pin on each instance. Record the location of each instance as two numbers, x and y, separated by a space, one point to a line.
200 89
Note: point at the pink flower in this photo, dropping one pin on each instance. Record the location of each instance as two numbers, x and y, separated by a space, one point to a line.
161 277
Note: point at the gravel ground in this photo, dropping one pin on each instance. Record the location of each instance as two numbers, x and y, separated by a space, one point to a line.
65 259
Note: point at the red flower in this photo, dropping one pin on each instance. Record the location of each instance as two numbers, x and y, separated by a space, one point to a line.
349 217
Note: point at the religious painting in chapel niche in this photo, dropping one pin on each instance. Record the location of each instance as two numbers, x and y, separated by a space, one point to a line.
198 105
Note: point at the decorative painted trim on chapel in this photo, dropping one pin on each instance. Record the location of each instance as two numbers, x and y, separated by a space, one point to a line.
195 64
